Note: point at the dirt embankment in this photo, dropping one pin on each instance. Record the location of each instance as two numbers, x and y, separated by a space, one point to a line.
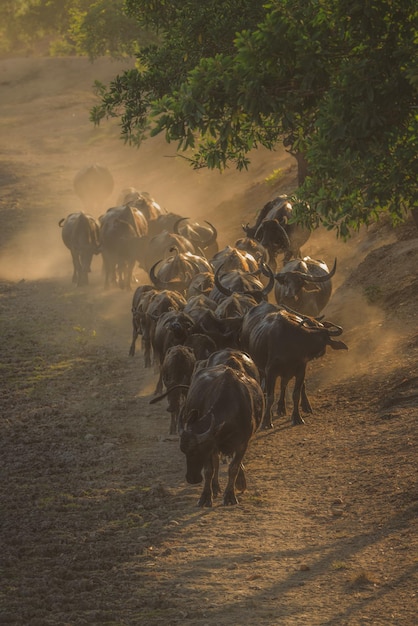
98 525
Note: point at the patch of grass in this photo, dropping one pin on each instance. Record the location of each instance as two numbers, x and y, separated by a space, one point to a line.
84 335
276 175
363 578
373 294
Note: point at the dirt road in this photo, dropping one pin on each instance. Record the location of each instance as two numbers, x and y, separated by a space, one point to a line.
98 525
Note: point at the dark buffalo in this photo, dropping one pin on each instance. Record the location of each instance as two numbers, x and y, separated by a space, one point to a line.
200 302
80 233
140 301
276 231
235 305
304 285
223 410
201 284
253 247
224 332
236 359
164 222
93 185
202 345
177 369
122 231
282 344
161 246
160 303
178 270
203 236
142 201
231 258
236 281
171 329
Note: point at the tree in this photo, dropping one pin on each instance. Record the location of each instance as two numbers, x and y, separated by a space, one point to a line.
335 81
94 28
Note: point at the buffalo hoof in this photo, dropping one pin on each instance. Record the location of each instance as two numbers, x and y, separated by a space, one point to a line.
307 408
296 421
230 498
205 501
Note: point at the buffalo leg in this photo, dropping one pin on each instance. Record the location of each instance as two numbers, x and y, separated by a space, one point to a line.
135 334
270 385
146 345
233 470
241 481
77 266
216 489
209 472
305 404
281 404
297 390
159 387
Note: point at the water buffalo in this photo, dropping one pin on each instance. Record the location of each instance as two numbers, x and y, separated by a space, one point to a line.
232 258
93 184
177 369
203 236
282 344
236 359
304 285
160 303
142 201
80 234
172 328
237 281
161 246
201 284
122 231
141 298
178 270
222 411
276 231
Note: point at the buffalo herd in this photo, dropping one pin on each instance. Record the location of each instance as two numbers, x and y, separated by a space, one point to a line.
220 326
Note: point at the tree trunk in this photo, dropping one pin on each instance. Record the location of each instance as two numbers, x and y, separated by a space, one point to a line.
302 166
414 213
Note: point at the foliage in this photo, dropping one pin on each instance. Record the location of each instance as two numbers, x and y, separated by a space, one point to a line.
335 81
93 28
188 31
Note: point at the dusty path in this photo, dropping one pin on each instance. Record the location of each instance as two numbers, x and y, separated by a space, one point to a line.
98 525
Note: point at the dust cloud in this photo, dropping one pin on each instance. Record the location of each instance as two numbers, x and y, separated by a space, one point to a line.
44 109
47 138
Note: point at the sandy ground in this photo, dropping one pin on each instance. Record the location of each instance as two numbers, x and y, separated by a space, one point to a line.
98 525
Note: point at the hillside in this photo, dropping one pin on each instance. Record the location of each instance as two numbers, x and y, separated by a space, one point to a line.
98 525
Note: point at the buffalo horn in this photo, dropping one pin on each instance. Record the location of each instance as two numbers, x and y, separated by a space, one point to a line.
203 437
156 281
267 271
320 279
176 225
333 329
218 284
